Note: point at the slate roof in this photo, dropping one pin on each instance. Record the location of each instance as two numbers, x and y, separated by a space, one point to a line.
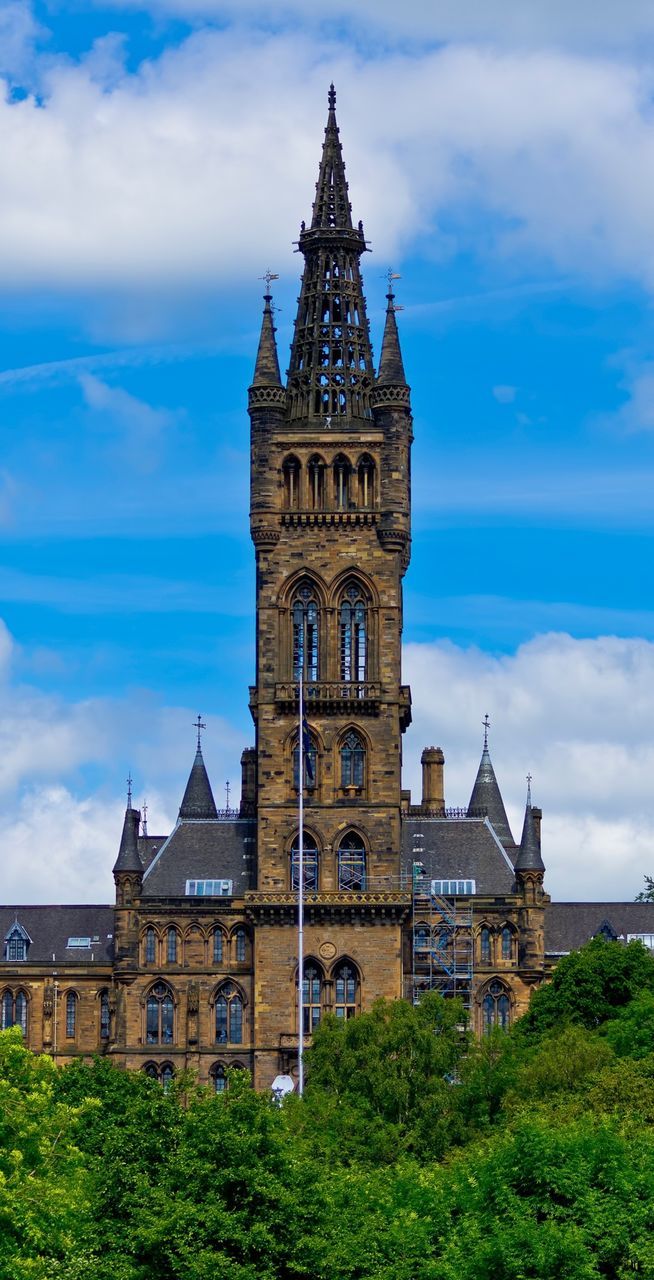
148 846
222 849
487 799
128 855
50 927
459 847
569 924
198 801
391 366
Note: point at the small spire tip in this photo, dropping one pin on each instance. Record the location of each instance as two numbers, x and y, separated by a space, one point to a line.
331 97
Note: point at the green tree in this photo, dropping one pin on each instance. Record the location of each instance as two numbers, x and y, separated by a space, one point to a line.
646 894
590 986
45 1196
381 1084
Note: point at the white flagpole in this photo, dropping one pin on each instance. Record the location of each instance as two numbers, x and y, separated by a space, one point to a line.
300 895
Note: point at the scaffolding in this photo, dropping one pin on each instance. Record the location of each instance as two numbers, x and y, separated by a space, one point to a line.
443 952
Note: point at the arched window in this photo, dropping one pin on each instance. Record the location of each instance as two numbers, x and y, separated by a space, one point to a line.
309 861
105 1015
316 483
150 946
485 946
217 946
71 1015
219 1077
151 1070
291 473
305 633
171 946
366 478
310 765
229 1015
353 635
14 1011
166 1075
421 935
346 991
311 997
240 945
496 1007
352 863
160 1012
507 943
342 482
353 759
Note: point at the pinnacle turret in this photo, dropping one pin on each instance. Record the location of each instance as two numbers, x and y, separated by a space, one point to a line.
128 854
266 369
198 801
391 366
529 856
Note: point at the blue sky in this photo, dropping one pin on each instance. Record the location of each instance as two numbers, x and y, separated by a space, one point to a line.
154 161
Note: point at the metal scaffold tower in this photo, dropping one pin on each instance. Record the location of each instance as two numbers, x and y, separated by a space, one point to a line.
443 950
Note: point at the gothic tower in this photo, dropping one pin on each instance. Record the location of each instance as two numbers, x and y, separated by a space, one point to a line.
330 522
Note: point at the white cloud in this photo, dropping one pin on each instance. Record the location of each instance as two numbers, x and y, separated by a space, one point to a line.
593 23
62 772
505 394
637 413
578 714
176 171
141 431
19 31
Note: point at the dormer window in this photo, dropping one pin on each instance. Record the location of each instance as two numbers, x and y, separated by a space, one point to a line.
17 942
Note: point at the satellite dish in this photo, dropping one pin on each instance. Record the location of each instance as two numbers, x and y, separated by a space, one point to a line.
282 1085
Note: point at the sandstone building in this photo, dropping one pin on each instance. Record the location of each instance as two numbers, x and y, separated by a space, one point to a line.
195 964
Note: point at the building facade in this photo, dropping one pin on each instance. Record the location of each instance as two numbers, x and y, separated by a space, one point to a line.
196 963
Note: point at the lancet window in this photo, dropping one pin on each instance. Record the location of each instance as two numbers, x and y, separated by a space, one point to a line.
352 863
353 761
316 483
105 1015
485 946
14 1010
342 482
240 945
159 1015
171 946
71 1015
507 943
353 635
496 1007
150 946
229 1015
310 765
305 621
366 479
291 474
217 946
310 863
346 990
311 997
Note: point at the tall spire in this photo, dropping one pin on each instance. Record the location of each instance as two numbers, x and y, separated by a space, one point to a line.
331 370
486 799
198 801
266 369
529 857
391 366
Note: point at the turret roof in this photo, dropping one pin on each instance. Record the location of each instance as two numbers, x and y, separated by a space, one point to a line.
128 854
266 369
198 801
391 365
486 799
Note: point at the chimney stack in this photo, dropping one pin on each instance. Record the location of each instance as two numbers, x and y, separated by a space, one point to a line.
433 786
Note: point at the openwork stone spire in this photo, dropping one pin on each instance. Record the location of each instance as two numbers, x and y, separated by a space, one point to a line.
331 370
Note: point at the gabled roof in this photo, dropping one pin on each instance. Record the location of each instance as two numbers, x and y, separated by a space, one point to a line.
16 930
452 848
486 800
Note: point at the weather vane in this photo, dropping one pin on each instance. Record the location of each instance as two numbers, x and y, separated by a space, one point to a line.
269 276
144 818
129 790
227 791
486 724
529 789
199 725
